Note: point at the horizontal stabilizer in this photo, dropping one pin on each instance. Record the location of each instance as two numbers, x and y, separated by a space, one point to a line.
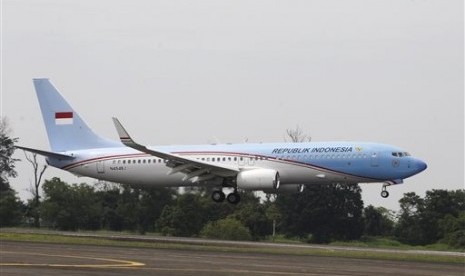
60 156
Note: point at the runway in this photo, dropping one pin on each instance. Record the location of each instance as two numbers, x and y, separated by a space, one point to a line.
24 258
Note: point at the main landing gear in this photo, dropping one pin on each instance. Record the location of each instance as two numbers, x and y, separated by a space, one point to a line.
384 192
233 198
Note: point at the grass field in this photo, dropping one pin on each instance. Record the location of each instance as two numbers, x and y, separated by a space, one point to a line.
109 239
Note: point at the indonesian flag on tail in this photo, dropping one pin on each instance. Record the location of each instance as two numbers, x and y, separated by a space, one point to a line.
63 118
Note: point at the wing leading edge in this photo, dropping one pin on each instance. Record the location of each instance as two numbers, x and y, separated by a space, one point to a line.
193 169
56 155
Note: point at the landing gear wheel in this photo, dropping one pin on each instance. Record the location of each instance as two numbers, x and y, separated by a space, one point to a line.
234 198
218 196
384 193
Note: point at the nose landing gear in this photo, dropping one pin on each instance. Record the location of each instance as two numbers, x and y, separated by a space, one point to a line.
384 192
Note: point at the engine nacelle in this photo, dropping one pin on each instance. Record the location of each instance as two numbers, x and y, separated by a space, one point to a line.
286 189
258 179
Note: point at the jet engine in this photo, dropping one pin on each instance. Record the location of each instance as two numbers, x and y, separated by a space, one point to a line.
286 189
258 179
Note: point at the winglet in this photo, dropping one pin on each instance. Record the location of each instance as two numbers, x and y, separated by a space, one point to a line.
123 134
127 141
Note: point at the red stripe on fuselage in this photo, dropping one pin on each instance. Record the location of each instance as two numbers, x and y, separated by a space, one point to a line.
235 154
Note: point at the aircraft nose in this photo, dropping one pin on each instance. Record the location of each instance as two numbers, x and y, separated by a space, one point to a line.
421 166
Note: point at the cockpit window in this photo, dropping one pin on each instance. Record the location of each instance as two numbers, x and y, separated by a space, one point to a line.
400 154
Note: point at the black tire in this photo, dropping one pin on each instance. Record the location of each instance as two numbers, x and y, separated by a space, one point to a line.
384 194
234 198
218 196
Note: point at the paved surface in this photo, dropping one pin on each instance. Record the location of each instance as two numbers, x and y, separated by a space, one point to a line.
199 241
23 258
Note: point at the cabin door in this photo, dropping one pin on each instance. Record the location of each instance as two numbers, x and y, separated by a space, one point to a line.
375 159
101 166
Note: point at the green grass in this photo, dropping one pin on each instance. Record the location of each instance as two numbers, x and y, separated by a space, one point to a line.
383 242
372 242
61 239
283 239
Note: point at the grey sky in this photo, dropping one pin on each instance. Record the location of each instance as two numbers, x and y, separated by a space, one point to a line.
184 72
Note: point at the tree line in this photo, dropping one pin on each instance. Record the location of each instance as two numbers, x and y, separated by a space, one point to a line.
321 213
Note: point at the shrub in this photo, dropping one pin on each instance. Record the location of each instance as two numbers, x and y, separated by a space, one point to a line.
226 229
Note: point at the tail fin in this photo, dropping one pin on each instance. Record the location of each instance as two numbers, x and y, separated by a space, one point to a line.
65 128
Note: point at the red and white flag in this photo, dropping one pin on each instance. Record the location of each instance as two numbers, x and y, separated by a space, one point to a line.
63 118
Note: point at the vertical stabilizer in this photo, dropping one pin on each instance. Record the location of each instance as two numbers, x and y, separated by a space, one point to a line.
65 129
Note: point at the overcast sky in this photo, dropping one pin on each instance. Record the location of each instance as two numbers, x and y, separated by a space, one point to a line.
193 72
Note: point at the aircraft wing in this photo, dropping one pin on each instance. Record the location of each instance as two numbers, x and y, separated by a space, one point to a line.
194 170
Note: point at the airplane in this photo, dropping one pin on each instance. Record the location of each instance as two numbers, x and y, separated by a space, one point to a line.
268 167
